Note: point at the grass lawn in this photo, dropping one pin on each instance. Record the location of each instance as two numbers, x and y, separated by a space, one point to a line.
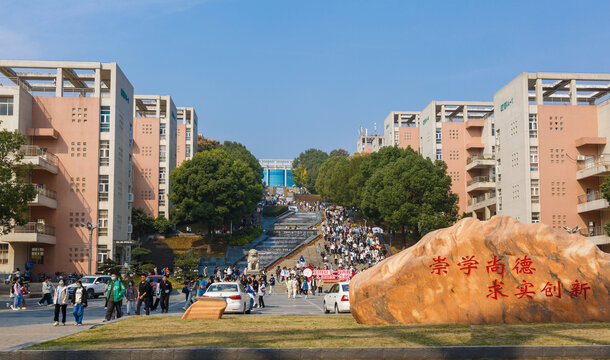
318 331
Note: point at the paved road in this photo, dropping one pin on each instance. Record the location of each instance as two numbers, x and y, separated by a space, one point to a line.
35 324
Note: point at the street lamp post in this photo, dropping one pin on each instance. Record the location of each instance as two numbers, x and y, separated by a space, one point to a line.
90 227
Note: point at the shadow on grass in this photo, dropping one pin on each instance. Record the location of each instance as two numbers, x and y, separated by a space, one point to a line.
253 335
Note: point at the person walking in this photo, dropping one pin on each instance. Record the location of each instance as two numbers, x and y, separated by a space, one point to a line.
79 300
157 294
17 289
261 293
272 285
47 289
166 290
305 287
131 295
202 285
60 299
288 287
144 295
294 285
115 293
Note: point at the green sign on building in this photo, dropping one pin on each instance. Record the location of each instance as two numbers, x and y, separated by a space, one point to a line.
124 95
506 104
425 120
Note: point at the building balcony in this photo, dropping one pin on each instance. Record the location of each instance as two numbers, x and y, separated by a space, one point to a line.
474 123
32 232
44 197
599 166
593 201
481 183
481 201
584 141
39 158
597 235
480 161
473 145
43 132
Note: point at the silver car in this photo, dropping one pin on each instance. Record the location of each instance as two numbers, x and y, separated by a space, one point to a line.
238 301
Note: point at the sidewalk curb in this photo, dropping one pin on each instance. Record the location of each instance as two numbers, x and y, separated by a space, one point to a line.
419 352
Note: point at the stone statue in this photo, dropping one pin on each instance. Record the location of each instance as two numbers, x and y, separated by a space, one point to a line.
253 261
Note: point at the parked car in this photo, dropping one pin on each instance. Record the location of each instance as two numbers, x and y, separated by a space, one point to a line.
233 293
93 284
337 298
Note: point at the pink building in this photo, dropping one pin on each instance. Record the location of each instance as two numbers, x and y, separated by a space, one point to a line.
458 132
401 128
154 152
186 142
78 118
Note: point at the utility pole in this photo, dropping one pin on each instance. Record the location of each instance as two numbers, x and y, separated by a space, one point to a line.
90 227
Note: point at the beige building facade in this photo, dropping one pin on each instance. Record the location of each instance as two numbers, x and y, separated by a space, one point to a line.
186 134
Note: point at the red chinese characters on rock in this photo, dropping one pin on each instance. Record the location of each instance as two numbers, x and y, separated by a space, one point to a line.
577 289
468 263
551 290
495 290
524 290
495 266
439 266
524 266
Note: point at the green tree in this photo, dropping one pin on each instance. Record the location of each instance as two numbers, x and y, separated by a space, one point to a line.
15 190
332 178
339 152
410 194
205 144
299 176
142 223
162 225
213 188
311 160
239 152
186 265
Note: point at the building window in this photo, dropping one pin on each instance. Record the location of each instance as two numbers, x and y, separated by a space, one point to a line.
533 125
438 135
162 153
3 254
102 222
188 134
161 197
188 151
104 152
162 130
37 254
103 188
105 119
6 106
439 154
162 175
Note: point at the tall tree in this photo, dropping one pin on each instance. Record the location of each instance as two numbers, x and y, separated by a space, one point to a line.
212 189
15 189
339 152
299 175
142 223
239 152
311 160
205 144
410 194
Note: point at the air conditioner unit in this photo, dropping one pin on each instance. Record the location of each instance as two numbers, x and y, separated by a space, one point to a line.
129 228
580 158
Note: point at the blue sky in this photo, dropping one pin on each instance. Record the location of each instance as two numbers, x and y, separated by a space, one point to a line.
283 76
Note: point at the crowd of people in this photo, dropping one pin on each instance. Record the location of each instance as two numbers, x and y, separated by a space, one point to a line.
347 245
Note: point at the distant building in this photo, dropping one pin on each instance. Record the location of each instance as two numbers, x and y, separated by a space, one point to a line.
401 128
277 172
186 132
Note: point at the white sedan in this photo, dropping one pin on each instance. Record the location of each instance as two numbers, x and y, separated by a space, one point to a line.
234 294
337 298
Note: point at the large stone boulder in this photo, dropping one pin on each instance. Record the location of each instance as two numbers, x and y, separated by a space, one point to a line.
482 272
